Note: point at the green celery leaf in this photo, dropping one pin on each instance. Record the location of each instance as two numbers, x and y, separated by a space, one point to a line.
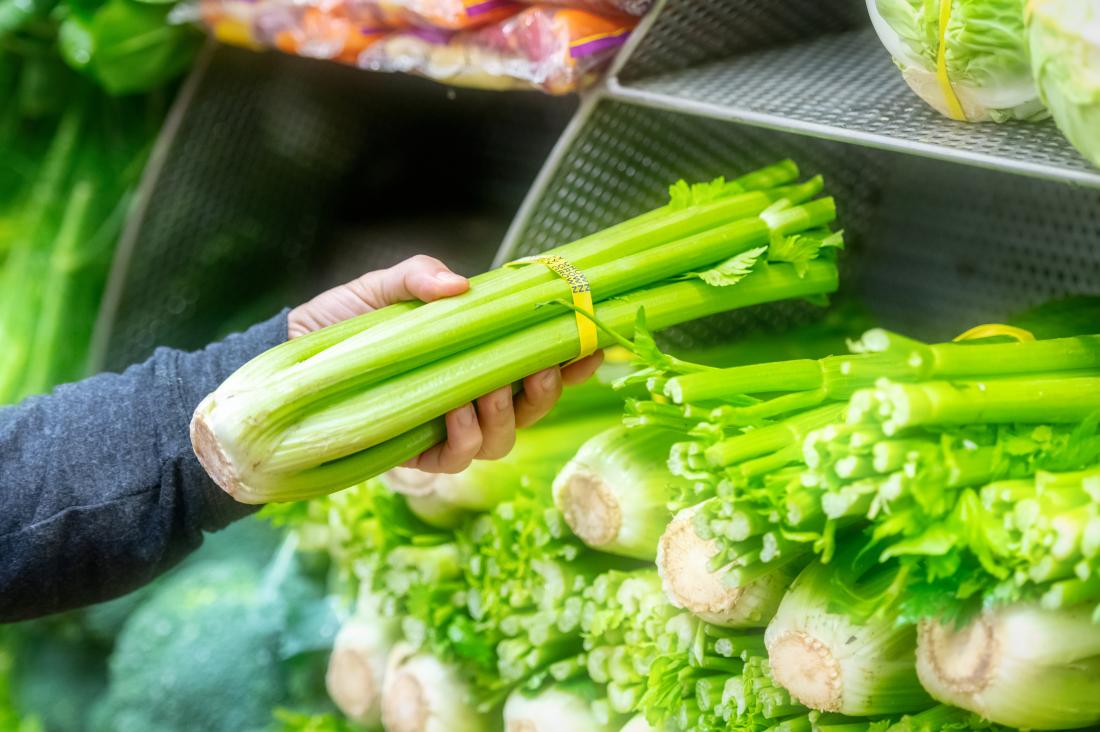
734 269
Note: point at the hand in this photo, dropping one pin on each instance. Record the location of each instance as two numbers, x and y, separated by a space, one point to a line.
483 430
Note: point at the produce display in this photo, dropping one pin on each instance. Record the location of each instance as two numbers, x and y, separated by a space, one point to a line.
914 563
487 45
831 527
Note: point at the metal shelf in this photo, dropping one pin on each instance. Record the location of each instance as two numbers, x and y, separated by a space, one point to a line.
933 248
845 87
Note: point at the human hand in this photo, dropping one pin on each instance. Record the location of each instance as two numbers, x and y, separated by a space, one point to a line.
482 430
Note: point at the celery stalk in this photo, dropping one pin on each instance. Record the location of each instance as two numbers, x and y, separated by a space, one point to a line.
1019 665
615 491
256 464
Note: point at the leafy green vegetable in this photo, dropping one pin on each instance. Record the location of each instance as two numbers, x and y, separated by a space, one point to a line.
68 207
178 664
1065 44
986 72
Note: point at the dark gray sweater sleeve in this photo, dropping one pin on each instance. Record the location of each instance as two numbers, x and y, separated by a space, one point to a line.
99 489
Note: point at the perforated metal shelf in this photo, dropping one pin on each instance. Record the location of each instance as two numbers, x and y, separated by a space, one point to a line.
842 86
934 248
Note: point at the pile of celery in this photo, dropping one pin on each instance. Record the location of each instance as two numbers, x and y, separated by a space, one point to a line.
333 408
938 504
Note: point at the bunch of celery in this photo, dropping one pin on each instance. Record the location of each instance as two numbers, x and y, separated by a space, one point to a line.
835 445
329 409
914 472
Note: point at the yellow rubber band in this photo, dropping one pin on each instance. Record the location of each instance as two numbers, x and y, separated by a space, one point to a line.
587 334
954 106
994 329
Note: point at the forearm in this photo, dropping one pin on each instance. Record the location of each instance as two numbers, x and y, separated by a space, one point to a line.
99 488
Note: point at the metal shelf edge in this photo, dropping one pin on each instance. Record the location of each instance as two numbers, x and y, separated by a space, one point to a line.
618 91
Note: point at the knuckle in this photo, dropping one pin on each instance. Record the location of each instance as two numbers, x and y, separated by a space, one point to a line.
423 260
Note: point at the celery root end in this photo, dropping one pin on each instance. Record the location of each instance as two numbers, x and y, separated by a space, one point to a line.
806 668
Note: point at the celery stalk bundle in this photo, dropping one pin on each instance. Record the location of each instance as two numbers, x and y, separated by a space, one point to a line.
332 408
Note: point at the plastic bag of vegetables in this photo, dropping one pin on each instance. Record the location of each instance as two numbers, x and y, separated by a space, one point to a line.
967 58
1065 57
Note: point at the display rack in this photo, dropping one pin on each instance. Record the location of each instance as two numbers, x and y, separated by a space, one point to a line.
950 223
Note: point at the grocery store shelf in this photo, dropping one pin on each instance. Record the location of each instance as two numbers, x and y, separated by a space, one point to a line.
845 87
933 248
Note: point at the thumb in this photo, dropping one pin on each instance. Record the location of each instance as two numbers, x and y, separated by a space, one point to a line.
418 278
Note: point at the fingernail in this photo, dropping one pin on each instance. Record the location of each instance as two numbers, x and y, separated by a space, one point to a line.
467 416
549 378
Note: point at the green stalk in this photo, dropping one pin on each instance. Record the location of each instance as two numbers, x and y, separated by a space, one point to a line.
307 461
51 317
360 344
400 345
996 401
773 437
896 358
1020 665
832 663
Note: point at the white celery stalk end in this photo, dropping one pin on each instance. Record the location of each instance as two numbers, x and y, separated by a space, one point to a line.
423 694
552 709
683 561
212 455
831 663
1021 666
615 491
357 666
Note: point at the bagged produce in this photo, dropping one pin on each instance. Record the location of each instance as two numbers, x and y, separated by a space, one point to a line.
1065 59
967 58
448 14
605 7
556 50
329 29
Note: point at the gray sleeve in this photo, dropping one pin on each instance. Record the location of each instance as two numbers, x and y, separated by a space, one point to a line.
99 489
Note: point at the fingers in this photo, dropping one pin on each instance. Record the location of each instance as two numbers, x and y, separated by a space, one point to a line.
581 371
489 431
417 278
464 440
540 392
497 418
